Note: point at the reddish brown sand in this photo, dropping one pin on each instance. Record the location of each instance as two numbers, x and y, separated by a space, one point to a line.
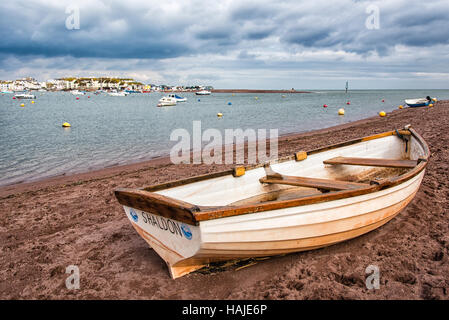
48 225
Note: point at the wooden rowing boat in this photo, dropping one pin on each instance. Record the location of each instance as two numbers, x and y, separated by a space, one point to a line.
300 202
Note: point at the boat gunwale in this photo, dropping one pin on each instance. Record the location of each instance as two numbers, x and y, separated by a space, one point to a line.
193 214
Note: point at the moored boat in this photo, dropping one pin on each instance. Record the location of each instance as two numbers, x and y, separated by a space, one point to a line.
166 101
133 91
25 96
77 93
118 94
300 202
203 93
177 98
421 102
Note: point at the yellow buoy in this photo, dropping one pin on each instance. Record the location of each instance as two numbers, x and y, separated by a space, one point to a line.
32 101
219 114
22 105
256 98
341 112
431 105
435 99
382 113
66 125
401 106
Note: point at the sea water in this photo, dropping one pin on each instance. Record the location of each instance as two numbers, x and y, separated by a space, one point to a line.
107 130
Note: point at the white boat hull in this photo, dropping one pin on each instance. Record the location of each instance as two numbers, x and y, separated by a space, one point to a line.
186 247
273 232
25 96
203 93
166 101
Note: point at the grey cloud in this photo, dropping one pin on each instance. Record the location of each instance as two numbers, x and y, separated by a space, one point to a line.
239 35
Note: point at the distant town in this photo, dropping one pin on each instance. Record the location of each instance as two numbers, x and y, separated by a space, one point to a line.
90 84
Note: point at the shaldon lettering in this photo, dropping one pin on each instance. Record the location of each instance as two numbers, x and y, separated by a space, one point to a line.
167 225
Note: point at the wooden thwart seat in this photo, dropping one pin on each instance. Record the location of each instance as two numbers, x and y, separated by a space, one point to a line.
373 162
322 184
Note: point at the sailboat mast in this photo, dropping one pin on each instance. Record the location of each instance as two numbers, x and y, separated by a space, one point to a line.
346 86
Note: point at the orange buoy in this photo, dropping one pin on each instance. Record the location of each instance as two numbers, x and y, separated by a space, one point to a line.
77 98
383 100
325 106
348 103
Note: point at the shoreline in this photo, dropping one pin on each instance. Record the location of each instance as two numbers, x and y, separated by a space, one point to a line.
104 172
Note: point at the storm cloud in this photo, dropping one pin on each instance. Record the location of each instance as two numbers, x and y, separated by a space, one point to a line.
282 44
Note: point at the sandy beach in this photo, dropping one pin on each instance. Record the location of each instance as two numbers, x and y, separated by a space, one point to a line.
48 225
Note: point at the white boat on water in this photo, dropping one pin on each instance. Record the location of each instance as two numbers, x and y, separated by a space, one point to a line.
300 202
118 94
25 96
77 93
166 101
203 93
177 98
7 91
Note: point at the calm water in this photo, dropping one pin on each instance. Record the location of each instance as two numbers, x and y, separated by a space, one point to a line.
110 130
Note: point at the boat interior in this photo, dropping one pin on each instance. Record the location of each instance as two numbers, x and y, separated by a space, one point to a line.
356 165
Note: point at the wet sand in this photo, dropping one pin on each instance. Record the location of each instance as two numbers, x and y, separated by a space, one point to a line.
48 225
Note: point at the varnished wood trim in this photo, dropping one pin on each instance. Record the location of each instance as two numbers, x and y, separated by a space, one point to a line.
177 183
158 204
322 184
372 162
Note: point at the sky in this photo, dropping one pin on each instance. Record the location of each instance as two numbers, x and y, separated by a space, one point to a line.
392 44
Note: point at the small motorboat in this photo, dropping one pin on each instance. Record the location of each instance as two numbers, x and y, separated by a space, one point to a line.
177 98
166 101
203 93
77 93
300 202
25 96
118 94
421 102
